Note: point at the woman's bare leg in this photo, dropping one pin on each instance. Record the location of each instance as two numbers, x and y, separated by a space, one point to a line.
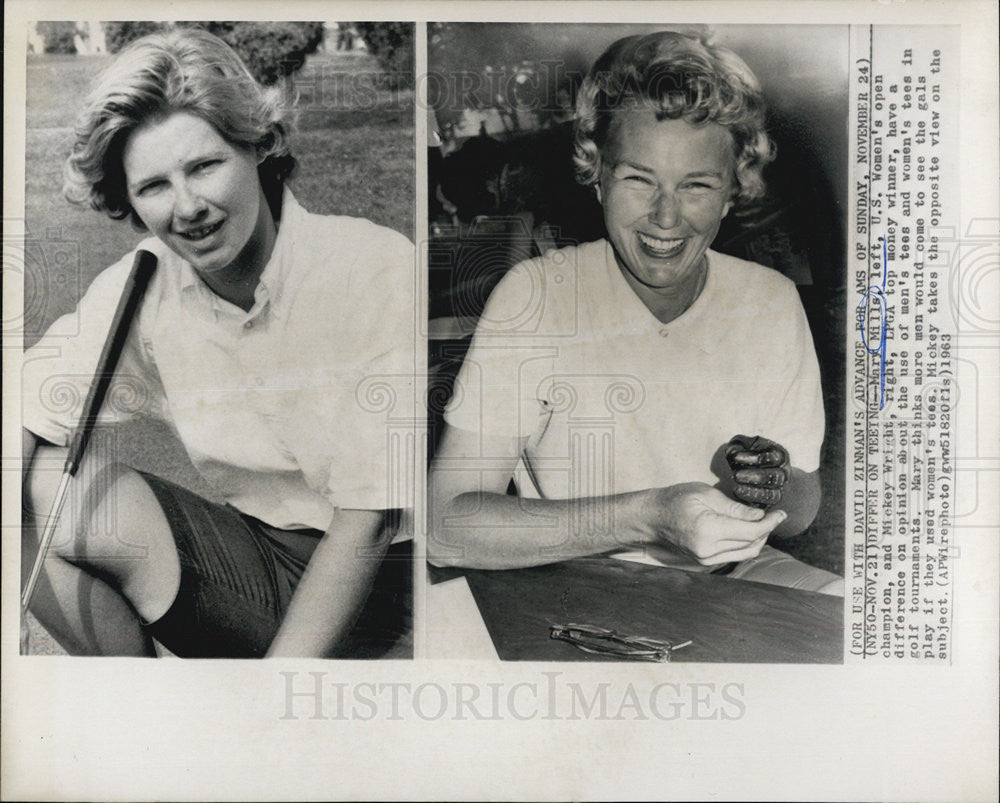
113 563
85 615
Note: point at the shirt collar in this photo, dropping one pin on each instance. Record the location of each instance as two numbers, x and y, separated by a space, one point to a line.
269 287
272 280
694 325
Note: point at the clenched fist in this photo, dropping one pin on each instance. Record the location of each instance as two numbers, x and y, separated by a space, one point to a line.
760 469
702 521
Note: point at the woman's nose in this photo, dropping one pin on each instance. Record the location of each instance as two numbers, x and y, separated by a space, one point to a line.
188 205
665 210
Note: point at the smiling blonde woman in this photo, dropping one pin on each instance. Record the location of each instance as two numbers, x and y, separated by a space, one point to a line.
611 379
257 329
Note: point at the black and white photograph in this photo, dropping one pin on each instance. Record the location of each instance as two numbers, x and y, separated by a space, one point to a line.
207 473
562 401
645 227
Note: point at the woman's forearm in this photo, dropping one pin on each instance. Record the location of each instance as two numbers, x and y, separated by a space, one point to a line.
335 586
474 525
495 531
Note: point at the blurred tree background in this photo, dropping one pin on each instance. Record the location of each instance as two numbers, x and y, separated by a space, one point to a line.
58 36
508 84
391 43
271 50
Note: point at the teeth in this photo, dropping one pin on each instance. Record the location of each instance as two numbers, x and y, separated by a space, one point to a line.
658 244
197 234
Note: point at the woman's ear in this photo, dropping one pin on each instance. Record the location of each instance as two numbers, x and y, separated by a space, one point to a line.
263 148
731 200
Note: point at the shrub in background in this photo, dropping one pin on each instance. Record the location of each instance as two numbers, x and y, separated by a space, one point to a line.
271 50
119 34
57 36
391 43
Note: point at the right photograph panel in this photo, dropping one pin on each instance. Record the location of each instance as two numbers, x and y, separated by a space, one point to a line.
637 244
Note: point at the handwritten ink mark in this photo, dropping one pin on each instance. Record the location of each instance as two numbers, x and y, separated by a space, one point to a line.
876 294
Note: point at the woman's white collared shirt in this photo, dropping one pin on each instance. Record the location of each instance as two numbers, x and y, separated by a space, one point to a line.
300 405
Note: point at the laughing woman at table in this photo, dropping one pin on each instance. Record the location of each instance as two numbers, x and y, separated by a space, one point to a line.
251 341
644 391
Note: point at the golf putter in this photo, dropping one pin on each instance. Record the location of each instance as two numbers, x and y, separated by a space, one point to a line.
135 287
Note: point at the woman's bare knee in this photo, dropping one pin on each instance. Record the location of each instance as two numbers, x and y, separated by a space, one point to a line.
111 525
109 511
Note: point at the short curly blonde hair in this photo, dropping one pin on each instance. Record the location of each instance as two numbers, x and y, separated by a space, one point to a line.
179 70
682 77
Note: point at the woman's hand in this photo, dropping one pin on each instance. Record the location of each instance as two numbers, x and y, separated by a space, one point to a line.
703 522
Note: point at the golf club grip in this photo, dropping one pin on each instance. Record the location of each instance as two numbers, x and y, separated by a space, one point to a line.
135 286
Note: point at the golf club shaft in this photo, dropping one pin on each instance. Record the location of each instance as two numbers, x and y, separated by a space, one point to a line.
135 286
47 533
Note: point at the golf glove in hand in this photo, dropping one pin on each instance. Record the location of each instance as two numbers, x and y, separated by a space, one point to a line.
760 469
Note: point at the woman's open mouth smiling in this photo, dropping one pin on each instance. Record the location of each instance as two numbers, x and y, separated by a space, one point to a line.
193 235
661 249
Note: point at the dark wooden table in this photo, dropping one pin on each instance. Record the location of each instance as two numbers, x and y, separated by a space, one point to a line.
725 619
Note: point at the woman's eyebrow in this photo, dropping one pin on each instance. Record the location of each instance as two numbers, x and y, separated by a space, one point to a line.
188 163
207 154
687 176
629 163
144 178
706 174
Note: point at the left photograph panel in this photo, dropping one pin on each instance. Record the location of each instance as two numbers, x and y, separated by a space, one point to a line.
219 375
